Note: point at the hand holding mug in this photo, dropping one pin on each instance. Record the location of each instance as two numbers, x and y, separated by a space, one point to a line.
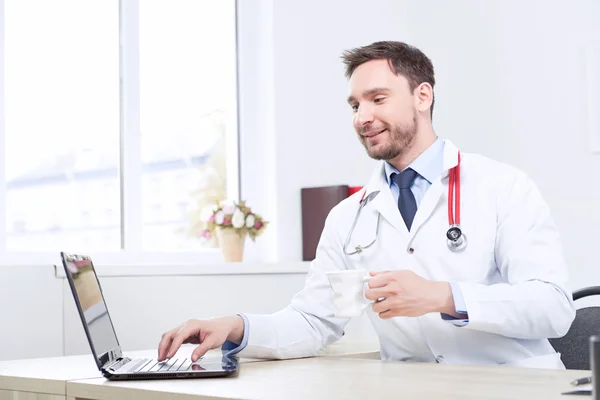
405 294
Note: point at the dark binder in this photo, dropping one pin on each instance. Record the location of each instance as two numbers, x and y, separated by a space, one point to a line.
316 204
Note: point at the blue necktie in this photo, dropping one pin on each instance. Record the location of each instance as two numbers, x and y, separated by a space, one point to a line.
406 200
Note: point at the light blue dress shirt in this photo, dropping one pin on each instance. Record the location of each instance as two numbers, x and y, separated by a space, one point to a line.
229 348
429 166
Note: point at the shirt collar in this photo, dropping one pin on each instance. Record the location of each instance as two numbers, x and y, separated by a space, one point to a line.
429 164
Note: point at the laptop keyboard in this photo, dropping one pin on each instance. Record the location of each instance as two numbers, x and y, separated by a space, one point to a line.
152 365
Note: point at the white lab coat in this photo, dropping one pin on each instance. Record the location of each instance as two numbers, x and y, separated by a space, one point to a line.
512 274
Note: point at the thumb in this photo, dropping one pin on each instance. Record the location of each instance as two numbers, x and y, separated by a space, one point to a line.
375 273
207 344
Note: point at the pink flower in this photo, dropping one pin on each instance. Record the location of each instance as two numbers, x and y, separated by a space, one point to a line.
226 221
258 225
212 218
228 208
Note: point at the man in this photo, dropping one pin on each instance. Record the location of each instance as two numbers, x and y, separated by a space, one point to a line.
494 302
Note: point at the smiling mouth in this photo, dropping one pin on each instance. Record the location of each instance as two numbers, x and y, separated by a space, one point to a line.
373 134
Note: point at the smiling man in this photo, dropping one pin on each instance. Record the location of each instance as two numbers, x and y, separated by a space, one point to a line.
495 300
386 116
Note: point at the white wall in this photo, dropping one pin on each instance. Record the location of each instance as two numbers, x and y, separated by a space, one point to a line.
31 315
512 85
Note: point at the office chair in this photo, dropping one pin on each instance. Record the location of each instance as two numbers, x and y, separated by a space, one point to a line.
574 346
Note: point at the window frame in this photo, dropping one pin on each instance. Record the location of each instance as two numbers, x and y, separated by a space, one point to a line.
130 168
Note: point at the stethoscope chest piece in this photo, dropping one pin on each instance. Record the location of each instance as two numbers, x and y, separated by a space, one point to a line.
457 240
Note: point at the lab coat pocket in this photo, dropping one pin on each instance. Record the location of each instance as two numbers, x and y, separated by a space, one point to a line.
546 361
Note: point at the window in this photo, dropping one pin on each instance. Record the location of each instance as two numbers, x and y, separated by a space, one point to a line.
120 122
62 124
187 84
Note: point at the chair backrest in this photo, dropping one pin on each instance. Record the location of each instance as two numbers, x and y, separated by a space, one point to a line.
574 346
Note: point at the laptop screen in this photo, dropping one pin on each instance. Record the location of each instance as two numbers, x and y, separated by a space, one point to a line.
89 300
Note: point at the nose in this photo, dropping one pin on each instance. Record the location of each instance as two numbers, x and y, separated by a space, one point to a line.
363 116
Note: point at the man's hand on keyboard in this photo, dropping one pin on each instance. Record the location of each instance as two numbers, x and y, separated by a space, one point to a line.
208 334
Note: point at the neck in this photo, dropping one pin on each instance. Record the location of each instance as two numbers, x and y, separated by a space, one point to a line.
423 139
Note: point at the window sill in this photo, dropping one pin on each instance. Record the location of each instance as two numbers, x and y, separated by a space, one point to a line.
222 268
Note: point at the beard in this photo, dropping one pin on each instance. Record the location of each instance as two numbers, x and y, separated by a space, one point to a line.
400 139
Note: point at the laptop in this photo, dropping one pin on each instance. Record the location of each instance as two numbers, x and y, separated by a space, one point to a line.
103 340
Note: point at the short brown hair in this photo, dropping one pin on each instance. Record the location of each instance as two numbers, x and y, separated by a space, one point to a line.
404 60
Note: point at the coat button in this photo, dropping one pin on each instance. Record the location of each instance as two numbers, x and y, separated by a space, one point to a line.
411 250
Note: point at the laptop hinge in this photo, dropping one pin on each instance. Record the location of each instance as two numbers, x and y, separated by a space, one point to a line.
115 363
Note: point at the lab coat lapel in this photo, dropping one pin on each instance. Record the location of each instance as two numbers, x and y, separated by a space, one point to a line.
437 189
428 205
384 202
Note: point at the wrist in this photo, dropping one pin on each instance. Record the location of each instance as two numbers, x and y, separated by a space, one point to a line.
236 330
444 300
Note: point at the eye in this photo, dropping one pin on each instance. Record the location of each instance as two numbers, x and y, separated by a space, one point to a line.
354 107
379 100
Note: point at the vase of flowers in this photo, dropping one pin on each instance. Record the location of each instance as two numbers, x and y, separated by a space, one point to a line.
232 222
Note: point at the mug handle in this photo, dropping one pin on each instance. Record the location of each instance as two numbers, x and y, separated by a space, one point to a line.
366 302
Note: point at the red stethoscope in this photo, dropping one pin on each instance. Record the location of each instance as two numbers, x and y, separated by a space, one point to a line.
457 240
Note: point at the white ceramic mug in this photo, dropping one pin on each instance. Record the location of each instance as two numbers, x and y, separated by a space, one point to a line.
348 292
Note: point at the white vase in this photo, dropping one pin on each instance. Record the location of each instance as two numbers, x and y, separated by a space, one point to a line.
232 244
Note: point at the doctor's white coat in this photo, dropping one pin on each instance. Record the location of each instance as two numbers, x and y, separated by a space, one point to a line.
512 274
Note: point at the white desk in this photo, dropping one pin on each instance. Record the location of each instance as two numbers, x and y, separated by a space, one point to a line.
46 378
345 370
43 378
343 378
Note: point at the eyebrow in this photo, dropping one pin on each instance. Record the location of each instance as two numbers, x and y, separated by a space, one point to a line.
370 92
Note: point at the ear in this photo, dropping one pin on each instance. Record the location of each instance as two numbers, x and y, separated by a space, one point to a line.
423 97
